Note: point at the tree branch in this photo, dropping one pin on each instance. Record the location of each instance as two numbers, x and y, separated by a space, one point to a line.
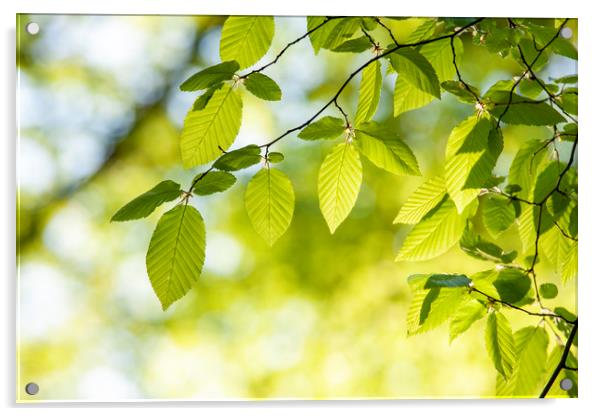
562 363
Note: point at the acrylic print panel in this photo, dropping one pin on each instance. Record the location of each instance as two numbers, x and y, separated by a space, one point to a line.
215 207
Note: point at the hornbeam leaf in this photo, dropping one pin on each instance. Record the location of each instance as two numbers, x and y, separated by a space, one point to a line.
143 205
436 233
500 343
270 202
385 149
407 96
432 307
212 128
356 45
531 356
425 198
370 87
417 70
522 110
211 76
465 316
239 158
439 54
498 214
213 182
325 128
263 87
245 39
339 182
176 253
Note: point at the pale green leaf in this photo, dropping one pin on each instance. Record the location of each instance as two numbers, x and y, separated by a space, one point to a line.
500 343
176 253
525 167
439 54
213 127
318 36
213 182
498 214
370 87
342 31
211 76
531 356
263 87
476 246
431 308
383 147
245 39
143 205
415 68
426 197
464 317
436 233
270 202
407 97
339 181
523 111
325 128
569 267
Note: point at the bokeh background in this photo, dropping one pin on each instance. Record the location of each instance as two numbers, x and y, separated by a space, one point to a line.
316 316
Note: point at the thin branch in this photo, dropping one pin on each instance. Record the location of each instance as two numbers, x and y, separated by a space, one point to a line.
515 85
564 233
474 94
380 23
299 39
518 308
358 70
562 363
566 367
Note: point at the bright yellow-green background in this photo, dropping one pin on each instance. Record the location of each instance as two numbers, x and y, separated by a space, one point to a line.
316 316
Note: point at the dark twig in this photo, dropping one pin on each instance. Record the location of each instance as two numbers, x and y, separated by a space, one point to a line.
389 31
518 308
562 363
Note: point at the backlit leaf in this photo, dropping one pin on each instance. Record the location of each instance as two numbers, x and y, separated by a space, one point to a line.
500 343
245 39
144 205
426 197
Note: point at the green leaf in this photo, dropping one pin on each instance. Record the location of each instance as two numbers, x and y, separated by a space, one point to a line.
342 31
213 127
468 163
512 284
475 246
424 31
176 253
464 317
569 266
439 54
436 233
270 202
202 101
356 45
446 280
459 90
431 308
144 205
531 356
548 290
426 197
210 77
523 111
318 36
407 97
275 157
370 87
213 182
385 149
239 158
325 128
500 343
525 167
498 214
417 70
246 39
263 87
547 180
339 182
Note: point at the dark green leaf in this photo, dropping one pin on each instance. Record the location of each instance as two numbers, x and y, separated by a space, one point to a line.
201 101
498 214
263 87
239 158
417 70
447 280
459 90
145 204
275 157
213 182
474 245
211 76
548 290
356 45
512 284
